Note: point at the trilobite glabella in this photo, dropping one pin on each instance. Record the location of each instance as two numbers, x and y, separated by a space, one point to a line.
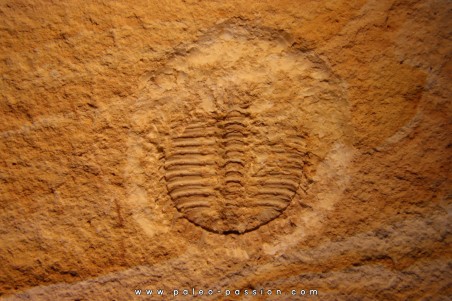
225 175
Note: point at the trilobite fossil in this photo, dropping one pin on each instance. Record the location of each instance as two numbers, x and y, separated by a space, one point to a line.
243 118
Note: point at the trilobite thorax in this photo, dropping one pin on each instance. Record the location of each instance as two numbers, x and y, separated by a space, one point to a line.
226 175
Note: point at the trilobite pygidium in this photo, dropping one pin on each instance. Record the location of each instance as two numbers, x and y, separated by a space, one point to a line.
241 116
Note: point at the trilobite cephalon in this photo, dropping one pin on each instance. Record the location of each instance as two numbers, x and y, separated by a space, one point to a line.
227 176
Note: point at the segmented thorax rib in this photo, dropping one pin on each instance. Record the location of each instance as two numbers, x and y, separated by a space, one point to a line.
227 177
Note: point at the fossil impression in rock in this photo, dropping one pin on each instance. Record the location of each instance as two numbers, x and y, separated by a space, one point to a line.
226 177
242 119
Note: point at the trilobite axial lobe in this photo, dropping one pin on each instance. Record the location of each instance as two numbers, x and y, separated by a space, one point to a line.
226 177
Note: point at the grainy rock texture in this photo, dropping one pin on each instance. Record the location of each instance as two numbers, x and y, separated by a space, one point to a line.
225 145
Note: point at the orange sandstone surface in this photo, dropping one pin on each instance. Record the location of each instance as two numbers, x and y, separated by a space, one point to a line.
301 147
